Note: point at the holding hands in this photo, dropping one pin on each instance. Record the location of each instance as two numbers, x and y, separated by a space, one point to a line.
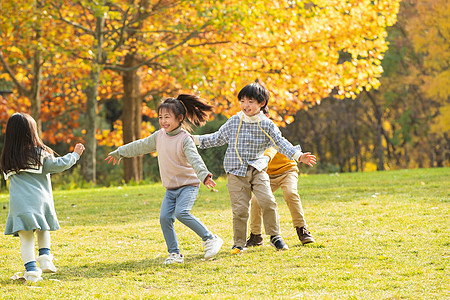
308 158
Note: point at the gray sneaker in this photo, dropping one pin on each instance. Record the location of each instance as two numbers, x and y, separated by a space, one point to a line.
278 243
304 235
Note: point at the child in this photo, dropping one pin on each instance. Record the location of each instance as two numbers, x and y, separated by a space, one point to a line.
180 167
248 134
283 173
28 163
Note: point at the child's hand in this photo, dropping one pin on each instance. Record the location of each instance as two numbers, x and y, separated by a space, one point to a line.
308 158
113 157
79 148
209 182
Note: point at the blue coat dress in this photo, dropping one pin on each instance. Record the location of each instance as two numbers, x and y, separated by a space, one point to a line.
30 195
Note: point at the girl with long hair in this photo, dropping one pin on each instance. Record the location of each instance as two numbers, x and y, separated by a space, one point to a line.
28 163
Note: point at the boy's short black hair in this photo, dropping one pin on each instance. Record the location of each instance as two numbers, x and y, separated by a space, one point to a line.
255 91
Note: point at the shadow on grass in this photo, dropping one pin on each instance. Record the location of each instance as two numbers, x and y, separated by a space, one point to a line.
310 245
147 266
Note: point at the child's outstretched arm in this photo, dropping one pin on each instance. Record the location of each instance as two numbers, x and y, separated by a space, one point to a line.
197 163
59 164
308 158
79 148
113 157
219 138
209 182
136 148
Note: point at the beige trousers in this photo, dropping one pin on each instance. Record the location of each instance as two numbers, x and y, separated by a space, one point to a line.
288 182
240 190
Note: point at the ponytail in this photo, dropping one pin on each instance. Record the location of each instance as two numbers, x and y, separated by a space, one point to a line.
193 108
196 108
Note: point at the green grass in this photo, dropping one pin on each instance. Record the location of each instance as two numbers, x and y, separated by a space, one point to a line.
379 235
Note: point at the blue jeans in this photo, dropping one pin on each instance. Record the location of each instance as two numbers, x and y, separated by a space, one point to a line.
178 204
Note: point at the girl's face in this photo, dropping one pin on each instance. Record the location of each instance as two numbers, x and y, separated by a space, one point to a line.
168 121
250 107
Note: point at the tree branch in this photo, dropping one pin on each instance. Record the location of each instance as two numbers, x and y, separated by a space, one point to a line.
21 88
209 43
89 31
122 32
154 10
149 61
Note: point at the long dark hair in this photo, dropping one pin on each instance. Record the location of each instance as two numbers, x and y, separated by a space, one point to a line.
193 108
22 147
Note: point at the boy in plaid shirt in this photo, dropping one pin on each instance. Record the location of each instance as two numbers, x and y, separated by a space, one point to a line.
248 134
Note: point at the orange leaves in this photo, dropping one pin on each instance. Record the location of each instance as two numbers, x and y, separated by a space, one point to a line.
148 111
212 48
113 138
288 119
290 47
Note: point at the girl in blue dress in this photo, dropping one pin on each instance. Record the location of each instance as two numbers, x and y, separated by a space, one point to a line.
28 163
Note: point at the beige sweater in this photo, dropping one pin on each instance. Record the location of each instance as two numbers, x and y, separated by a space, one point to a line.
178 158
174 167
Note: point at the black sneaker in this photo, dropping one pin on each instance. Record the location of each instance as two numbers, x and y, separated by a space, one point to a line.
254 240
304 235
277 242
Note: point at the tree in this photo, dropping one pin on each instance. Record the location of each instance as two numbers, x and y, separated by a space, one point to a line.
36 63
112 26
95 16
414 91
402 124
297 52
429 33
302 52
32 29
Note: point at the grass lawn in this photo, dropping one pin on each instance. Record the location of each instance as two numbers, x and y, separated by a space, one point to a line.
378 235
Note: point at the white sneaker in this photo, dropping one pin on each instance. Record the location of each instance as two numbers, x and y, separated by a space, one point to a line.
46 263
174 258
33 276
212 246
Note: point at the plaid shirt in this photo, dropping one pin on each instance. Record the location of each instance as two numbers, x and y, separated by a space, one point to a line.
250 139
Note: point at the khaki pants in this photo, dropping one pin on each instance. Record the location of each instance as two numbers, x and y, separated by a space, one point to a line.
240 190
287 181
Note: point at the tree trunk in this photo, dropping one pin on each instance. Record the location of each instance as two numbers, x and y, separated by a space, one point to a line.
132 102
138 129
357 153
379 149
35 93
35 90
132 117
89 166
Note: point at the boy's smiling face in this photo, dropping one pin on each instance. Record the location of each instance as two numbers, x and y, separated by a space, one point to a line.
250 107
